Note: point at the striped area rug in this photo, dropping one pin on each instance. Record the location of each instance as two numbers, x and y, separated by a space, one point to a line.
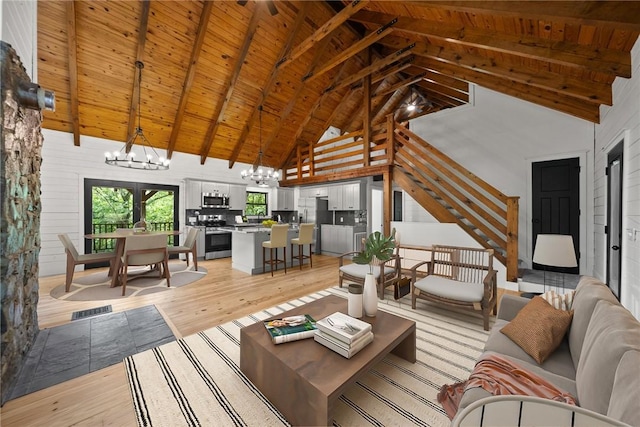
197 380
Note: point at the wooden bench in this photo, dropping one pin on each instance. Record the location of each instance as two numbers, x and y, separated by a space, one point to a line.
459 277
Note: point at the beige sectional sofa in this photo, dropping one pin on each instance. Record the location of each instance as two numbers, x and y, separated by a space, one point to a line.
598 360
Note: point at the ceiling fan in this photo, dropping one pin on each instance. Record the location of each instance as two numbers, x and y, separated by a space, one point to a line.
273 10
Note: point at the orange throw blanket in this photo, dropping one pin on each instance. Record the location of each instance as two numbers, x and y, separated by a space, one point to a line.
498 375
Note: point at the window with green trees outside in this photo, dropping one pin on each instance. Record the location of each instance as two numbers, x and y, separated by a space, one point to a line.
256 203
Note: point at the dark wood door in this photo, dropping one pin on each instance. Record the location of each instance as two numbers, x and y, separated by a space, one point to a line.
556 202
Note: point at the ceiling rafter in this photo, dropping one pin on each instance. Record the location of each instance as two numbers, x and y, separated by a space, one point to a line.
286 111
376 66
353 50
201 34
545 80
230 83
271 81
445 95
323 31
401 84
72 41
562 53
612 13
135 91
546 98
394 69
296 140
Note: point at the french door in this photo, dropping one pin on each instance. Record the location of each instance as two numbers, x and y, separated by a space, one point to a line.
110 205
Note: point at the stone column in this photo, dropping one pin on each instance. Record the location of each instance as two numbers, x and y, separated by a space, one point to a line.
20 160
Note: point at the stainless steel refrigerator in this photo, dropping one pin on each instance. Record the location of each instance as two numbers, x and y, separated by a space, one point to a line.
314 210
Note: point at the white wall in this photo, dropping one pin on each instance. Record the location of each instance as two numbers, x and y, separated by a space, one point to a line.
622 120
18 28
499 137
64 168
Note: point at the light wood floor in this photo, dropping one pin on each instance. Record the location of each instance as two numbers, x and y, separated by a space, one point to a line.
102 397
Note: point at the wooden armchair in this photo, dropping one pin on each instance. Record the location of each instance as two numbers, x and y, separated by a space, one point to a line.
385 273
459 277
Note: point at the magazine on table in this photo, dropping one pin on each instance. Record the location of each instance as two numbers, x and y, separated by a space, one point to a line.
341 347
291 328
343 327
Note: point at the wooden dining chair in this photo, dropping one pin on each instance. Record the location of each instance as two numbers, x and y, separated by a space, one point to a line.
189 247
144 250
74 258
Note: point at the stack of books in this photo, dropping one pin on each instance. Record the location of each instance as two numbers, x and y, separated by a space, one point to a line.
343 334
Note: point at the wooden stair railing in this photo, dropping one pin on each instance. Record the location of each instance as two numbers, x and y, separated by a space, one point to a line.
453 194
440 185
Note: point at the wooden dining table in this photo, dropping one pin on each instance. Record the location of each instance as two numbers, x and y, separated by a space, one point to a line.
120 237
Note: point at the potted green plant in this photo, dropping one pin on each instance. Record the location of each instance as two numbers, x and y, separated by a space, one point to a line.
377 249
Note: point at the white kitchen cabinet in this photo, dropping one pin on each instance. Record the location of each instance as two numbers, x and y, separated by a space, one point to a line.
334 193
306 192
351 197
284 200
193 197
215 187
336 239
237 197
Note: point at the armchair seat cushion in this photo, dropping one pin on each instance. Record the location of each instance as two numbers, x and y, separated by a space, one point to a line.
361 270
451 289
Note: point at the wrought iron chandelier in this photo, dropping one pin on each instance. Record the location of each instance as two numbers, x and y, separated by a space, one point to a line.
126 157
263 176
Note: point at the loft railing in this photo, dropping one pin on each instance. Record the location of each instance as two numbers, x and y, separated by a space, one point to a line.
442 186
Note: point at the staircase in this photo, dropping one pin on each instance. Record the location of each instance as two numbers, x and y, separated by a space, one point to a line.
452 194
444 188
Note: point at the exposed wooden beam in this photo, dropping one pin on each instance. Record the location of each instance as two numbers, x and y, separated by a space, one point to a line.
546 98
135 92
390 71
439 78
444 90
562 53
611 13
540 79
271 81
323 31
201 33
352 50
376 66
366 106
284 114
401 84
72 41
436 95
230 83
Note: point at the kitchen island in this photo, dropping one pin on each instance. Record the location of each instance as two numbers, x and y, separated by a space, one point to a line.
246 248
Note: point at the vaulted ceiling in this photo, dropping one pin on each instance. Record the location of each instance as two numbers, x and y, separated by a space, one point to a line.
211 67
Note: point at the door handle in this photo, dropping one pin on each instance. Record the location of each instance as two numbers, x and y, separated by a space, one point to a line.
615 247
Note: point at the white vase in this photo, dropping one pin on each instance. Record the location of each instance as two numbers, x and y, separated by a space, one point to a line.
370 296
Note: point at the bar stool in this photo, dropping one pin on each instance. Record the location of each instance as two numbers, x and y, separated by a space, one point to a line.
305 237
278 240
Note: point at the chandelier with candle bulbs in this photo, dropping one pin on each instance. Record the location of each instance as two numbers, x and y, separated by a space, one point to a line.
262 175
126 157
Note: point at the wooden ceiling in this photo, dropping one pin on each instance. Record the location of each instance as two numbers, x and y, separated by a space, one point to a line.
210 66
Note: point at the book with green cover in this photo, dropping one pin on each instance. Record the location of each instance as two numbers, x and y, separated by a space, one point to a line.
291 328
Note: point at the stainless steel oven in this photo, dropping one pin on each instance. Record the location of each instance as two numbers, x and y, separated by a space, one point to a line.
217 243
215 200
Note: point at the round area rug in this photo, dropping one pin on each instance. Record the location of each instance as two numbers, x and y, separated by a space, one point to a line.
96 287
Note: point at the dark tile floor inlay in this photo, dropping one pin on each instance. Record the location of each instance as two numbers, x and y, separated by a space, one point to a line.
90 312
68 351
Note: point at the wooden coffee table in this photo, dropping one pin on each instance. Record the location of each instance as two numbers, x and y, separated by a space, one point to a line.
304 379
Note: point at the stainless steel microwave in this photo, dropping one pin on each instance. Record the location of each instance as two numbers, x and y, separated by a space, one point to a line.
215 200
